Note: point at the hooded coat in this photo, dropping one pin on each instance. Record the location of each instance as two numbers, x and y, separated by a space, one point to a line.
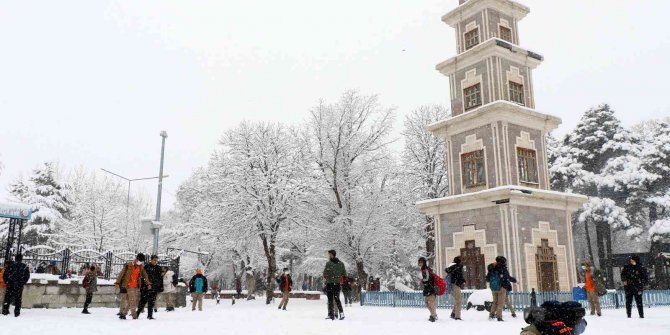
455 270
635 277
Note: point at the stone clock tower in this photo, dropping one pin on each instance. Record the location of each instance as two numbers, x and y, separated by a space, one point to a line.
500 202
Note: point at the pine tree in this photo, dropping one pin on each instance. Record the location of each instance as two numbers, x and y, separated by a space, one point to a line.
48 197
578 164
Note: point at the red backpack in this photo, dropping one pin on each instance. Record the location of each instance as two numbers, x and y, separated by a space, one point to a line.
85 283
440 283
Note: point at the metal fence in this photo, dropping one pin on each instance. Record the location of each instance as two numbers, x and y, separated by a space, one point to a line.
66 261
520 300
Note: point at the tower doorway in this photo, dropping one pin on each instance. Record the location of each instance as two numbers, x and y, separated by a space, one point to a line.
547 267
475 266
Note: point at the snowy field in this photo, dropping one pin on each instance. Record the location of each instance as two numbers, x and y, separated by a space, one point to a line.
303 317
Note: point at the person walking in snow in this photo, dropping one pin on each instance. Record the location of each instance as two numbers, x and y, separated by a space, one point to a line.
508 303
149 293
197 286
3 285
429 288
285 285
129 281
346 290
499 281
457 281
15 276
251 283
333 274
169 288
635 278
594 282
90 284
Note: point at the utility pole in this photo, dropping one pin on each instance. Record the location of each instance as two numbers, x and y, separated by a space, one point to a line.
160 190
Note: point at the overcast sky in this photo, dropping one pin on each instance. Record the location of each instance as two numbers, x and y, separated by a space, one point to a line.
92 83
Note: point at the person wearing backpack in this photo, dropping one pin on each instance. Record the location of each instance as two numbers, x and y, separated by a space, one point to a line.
457 281
90 284
197 286
430 290
594 282
499 280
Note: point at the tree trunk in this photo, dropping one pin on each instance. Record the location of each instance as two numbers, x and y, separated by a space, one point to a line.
662 280
362 276
588 242
430 239
609 261
272 268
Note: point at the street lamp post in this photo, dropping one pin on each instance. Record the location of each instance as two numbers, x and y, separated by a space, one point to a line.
129 180
160 190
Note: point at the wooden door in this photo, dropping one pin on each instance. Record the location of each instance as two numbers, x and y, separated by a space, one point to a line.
547 268
474 266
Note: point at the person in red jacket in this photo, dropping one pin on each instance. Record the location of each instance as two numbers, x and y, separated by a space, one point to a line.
285 283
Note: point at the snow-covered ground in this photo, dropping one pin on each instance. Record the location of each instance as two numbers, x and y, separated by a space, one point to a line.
303 317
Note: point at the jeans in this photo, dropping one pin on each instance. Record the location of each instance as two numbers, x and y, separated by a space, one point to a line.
197 299
458 301
333 293
13 296
498 303
284 299
638 301
148 298
594 302
89 297
347 296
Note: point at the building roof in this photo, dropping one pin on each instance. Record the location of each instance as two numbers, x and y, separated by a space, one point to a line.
489 48
512 194
499 110
472 7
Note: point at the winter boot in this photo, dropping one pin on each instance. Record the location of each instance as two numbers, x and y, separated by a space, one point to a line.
500 320
122 317
85 311
342 316
453 316
514 315
431 319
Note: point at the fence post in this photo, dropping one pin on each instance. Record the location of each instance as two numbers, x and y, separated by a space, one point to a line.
616 299
65 263
108 264
394 298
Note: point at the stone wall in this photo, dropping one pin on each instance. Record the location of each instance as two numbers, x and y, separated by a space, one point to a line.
51 294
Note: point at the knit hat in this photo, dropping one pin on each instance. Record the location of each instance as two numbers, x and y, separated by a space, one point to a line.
140 257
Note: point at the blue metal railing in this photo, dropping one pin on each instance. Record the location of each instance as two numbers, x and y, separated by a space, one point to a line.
520 300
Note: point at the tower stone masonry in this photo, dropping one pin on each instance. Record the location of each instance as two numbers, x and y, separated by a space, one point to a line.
499 203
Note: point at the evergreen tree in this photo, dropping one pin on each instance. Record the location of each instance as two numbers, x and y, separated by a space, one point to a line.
578 164
48 197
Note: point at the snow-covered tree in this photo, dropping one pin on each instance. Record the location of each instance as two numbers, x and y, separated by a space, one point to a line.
48 195
269 182
424 160
350 140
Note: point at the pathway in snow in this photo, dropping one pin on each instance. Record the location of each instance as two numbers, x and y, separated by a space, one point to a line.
303 317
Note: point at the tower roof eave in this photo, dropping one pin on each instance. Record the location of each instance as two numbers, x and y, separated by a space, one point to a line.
499 110
512 194
491 47
472 7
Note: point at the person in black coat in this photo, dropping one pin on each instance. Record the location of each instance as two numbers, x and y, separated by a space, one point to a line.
16 276
429 288
457 282
635 278
148 294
